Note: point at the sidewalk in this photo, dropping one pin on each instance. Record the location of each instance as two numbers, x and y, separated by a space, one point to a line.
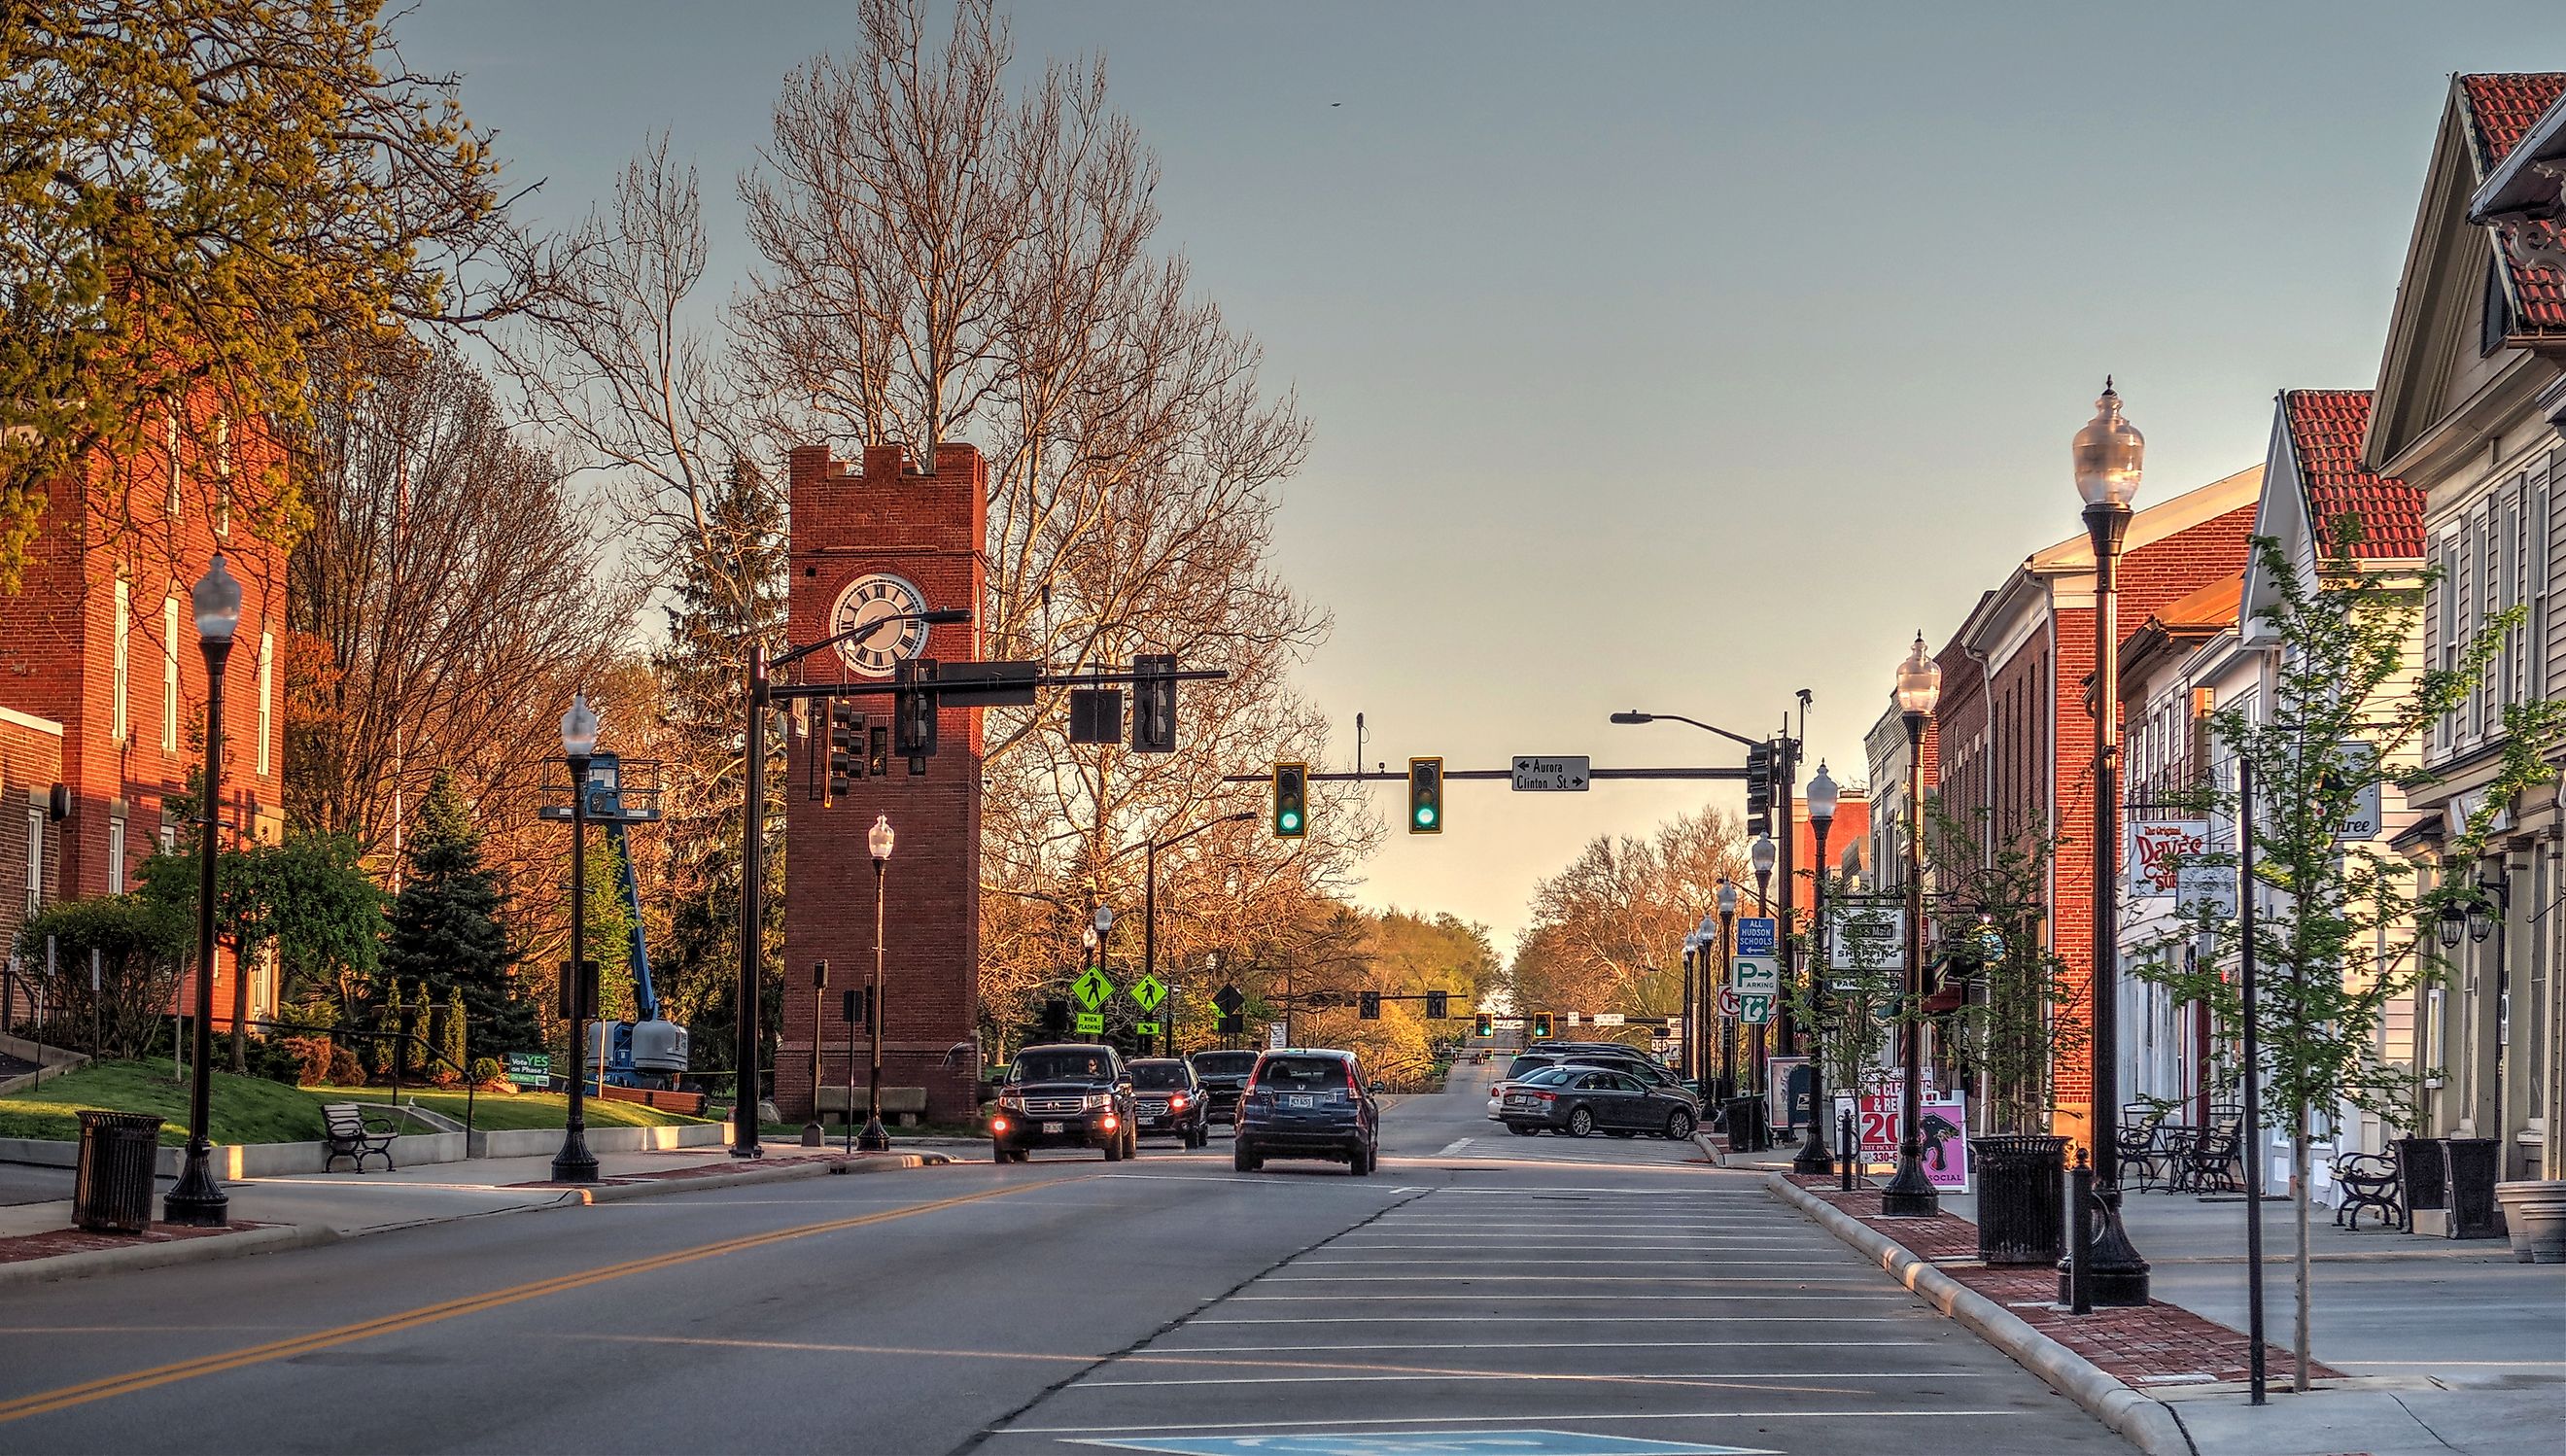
38 1242
2420 1346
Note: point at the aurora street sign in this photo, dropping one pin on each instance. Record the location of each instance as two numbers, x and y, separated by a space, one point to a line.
1550 775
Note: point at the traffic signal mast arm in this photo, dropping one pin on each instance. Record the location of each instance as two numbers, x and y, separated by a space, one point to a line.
1384 777
885 687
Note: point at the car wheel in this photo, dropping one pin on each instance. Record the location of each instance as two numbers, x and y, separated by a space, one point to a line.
998 1154
1678 1125
1132 1143
1355 1162
1244 1159
1114 1149
1580 1123
1021 1154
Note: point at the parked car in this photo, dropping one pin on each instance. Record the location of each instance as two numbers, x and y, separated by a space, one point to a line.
1223 1076
1581 1100
1065 1095
1307 1103
1172 1100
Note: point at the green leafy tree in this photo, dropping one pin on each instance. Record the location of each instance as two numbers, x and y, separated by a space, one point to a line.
389 1058
191 194
1989 906
446 930
141 949
455 1040
1851 1021
2343 678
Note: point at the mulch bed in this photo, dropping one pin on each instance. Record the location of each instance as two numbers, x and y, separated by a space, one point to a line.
2161 1345
55 1242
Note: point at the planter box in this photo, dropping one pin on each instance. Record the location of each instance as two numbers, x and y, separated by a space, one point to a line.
2534 1214
2469 1167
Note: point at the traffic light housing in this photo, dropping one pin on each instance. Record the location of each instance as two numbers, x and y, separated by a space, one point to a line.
1055 1017
1291 817
584 985
1154 702
1435 1005
856 1007
1367 1004
1759 788
1485 1026
913 713
845 746
1425 796
1541 1025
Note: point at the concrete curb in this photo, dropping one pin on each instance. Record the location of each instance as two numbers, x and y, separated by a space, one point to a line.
2144 1424
772 1173
156 1256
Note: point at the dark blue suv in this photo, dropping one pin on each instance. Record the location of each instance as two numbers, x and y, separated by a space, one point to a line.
1307 1103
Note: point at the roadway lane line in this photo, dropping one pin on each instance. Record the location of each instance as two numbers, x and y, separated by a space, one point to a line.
1901 1295
1791 1279
1553 1319
1454 1146
1543 1345
134 1381
1511 1421
1801 1380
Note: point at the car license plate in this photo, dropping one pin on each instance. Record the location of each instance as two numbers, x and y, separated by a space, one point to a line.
1299 1099
1051 1128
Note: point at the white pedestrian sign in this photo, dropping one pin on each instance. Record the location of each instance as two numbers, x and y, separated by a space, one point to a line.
1550 775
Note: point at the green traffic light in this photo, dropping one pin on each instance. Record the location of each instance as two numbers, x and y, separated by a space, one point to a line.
1424 815
1290 820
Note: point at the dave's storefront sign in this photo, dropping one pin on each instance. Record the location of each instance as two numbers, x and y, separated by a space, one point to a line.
2155 850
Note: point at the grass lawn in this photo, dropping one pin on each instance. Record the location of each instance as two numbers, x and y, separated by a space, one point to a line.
499 1112
245 1108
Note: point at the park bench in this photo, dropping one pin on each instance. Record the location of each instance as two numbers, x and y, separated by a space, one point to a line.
2368 1180
901 1105
349 1138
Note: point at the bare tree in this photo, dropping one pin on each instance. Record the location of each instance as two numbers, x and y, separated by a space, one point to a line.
1607 929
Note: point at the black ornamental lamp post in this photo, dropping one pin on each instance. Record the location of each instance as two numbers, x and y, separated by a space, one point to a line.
1815 1157
1719 950
876 1137
575 1163
1910 1194
198 1200
2109 454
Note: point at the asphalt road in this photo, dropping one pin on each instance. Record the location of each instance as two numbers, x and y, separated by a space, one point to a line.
1477 1283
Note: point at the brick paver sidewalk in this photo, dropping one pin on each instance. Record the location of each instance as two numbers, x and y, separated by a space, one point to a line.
2161 1345
80 1241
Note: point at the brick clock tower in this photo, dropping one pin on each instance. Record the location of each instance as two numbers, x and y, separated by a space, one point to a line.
873 541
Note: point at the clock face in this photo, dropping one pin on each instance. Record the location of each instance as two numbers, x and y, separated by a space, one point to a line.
875 598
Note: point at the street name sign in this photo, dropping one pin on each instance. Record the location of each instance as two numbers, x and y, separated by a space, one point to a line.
1756 975
1608 1017
1550 775
1758 935
1149 991
1092 989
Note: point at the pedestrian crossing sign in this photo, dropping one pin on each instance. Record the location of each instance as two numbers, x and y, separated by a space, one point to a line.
1092 989
1149 991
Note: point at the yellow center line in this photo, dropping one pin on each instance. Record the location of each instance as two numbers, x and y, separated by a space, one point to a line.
134 1381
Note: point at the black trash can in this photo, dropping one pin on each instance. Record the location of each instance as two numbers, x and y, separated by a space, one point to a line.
2468 1166
1744 1122
2419 1178
2022 1197
119 1152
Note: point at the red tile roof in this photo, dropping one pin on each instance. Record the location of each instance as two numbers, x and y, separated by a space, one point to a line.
2326 428
2501 110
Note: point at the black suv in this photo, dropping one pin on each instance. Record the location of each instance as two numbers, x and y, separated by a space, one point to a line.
1307 1103
1067 1096
1172 1100
1224 1077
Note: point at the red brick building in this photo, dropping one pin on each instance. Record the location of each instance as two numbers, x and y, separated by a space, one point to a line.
2015 725
98 658
883 537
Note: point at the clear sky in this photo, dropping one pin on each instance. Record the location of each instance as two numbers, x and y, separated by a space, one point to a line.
1676 355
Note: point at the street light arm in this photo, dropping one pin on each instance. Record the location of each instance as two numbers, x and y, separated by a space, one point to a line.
1242 817
934 617
1639 717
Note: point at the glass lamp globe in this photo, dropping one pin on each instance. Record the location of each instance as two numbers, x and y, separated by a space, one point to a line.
1727 897
1920 680
579 728
878 838
1822 796
1762 854
217 600
2109 454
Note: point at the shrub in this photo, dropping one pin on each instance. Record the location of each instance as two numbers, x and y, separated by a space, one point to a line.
345 1069
276 1060
486 1072
312 1059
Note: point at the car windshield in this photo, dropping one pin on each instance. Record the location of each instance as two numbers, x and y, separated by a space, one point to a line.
1547 1076
1301 1074
1157 1076
1523 1067
1224 1063
1059 1066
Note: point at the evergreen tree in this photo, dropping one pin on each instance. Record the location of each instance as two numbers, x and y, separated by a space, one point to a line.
388 1057
445 928
455 1039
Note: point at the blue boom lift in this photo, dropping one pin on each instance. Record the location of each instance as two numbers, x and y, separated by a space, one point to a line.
649 1050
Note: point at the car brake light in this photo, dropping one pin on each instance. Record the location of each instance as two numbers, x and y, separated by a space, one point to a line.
1546 1097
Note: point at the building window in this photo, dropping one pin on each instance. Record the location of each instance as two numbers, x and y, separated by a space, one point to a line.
2494 320
115 856
222 475
169 676
116 720
266 695
171 444
168 838
35 858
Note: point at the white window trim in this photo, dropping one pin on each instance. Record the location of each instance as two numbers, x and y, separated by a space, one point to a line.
178 499
222 474
266 696
35 858
169 675
119 716
116 856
